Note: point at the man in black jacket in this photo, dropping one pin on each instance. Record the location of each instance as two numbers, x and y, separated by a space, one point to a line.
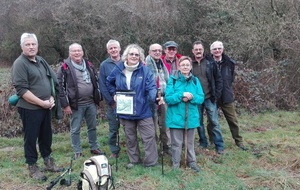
226 66
79 96
211 82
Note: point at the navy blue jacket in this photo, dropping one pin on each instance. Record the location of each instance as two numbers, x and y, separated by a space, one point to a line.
226 67
106 68
142 83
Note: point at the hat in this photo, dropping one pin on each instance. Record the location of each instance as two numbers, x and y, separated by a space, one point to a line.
170 44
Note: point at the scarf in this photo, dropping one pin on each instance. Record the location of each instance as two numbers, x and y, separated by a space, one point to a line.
85 74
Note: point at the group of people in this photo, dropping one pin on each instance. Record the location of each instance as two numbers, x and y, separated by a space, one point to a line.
166 92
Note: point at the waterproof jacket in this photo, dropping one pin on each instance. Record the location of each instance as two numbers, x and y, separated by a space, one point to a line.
226 67
105 69
168 65
142 84
68 84
176 112
214 78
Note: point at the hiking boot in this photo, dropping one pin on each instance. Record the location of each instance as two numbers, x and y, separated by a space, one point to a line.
51 166
167 151
96 151
220 152
35 172
153 165
242 146
194 167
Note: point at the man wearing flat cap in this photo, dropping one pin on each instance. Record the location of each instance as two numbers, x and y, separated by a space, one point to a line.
171 57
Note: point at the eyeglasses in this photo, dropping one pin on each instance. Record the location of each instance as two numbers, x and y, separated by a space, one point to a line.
156 50
134 54
217 49
185 65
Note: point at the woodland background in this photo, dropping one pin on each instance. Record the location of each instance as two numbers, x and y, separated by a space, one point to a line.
262 36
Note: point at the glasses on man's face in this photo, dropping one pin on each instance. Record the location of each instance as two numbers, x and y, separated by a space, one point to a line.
134 54
156 50
217 49
171 48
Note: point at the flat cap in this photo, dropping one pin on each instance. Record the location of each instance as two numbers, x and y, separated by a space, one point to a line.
170 44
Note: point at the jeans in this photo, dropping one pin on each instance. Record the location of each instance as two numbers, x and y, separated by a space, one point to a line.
212 114
88 112
114 126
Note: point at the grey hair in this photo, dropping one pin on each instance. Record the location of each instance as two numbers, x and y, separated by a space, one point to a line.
111 41
216 43
129 47
27 35
77 44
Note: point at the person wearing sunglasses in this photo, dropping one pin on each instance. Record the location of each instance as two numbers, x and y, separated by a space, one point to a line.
132 86
171 57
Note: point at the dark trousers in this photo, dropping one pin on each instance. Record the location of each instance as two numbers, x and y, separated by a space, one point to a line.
36 128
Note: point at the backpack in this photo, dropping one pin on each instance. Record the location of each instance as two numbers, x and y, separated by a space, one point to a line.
96 174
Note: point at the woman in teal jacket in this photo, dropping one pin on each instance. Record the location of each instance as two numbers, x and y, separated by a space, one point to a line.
183 95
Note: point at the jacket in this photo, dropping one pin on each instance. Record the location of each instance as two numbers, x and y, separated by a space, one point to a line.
150 63
177 57
214 78
26 76
142 84
176 112
226 67
68 84
105 69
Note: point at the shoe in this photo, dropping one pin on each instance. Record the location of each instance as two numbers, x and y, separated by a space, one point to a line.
96 151
167 152
220 152
131 165
77 155
242 146
175 167
114 155
153 165
51 166
35 173
194 167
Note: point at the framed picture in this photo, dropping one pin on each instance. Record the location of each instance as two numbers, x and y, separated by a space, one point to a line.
125 102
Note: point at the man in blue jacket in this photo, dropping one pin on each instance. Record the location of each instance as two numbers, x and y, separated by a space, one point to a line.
211 82
113 49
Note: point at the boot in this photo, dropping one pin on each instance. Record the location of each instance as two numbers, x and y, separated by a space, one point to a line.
35 172
51 166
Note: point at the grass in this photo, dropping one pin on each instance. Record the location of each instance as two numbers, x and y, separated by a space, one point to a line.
272 162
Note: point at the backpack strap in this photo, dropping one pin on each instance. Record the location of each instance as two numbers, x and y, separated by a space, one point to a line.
89 179
98 167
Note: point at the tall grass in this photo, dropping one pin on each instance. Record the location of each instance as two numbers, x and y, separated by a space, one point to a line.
272 162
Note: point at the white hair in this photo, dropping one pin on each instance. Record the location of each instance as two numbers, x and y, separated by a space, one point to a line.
27 35
111 41
216 43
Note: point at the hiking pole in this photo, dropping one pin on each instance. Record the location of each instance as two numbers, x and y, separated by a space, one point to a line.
67 182
160 136
185 133
118 144
54 182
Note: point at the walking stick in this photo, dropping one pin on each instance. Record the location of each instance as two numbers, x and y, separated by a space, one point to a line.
185 134
161 143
